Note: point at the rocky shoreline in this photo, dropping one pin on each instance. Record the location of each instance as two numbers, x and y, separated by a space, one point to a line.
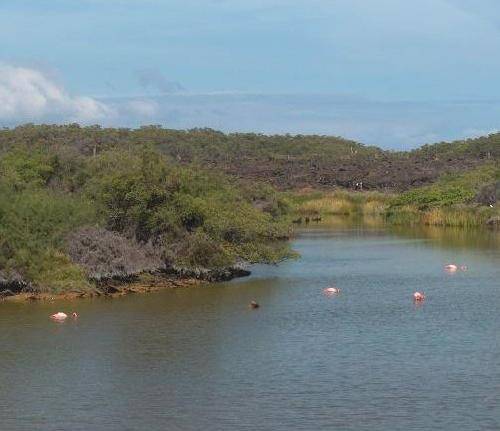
16 289
115 265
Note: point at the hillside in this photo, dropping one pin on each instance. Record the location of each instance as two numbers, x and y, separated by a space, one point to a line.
80 206
71 222
288 162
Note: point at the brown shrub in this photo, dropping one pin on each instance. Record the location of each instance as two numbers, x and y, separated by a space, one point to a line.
105 254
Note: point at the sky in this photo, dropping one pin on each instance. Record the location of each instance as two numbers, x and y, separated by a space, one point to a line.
393 73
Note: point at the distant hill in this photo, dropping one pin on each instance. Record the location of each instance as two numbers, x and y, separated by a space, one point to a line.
285 161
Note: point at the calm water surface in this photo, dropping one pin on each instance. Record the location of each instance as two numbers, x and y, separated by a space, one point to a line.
199 359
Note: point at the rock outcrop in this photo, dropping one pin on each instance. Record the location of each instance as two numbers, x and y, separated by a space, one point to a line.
494 222
12 283
212 274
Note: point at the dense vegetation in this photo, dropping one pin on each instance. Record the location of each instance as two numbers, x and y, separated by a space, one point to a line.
132 204
467 199
82 205
286 161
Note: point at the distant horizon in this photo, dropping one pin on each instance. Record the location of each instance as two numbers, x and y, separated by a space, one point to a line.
243 132
417 73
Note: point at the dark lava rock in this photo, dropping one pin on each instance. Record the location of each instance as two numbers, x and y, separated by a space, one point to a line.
494 222
211 274
11 283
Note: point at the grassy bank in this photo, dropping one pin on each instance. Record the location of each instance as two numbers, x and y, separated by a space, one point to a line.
462 200
340 202
457 216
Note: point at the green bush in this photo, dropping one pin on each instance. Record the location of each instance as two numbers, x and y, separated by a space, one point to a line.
194 218
448 191
33 225
155 200
22 168
452 201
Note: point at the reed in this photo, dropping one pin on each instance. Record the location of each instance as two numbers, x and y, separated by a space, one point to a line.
460 200
328 205
343 203
375 204
455 216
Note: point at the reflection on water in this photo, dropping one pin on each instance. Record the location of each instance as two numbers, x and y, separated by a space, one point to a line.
438 236
199 358
454 237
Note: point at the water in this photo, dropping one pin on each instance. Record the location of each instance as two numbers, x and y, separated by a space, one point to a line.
200 359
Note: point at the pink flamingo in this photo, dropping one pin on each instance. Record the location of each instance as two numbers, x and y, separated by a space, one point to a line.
418 296
331 290
451 268
59 316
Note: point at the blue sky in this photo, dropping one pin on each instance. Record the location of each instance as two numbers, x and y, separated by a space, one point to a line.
396 73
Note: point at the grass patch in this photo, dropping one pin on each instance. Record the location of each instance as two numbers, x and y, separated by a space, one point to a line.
455 200
341 203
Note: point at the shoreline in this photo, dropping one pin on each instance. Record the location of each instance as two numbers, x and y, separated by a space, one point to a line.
111 289
146 282
183 278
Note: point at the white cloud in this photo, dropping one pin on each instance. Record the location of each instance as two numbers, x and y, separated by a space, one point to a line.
142 108
29 95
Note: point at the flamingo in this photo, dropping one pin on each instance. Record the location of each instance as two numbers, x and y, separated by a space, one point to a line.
59 316
331 290
418 296
451 268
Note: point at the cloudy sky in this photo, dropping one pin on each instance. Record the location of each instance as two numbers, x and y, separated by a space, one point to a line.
395 73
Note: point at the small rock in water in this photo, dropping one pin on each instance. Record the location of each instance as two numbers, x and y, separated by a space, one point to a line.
254 304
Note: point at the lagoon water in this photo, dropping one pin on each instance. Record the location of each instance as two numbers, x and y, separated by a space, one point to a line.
200 359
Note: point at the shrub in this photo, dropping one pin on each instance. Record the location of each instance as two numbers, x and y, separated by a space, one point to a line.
104 254
33 224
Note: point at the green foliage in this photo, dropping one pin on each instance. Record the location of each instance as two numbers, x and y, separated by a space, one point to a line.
33 224
200 251
155 200
171 189
194 217
451 201
55 273
449 190
434 196
340 202
22 168
286 161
